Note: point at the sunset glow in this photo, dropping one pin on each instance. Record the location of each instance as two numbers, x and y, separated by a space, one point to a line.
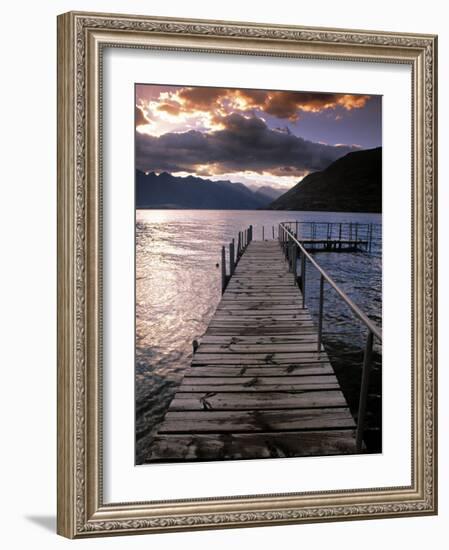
255 137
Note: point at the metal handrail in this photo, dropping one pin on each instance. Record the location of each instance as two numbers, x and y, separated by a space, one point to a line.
354 308
291 252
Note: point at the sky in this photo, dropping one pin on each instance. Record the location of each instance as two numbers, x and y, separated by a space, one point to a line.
255 137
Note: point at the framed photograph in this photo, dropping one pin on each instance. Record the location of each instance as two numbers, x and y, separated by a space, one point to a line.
246 274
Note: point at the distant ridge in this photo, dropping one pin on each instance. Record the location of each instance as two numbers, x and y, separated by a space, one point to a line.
352 183
168 191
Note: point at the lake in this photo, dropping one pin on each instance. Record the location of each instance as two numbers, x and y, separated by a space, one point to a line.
178 287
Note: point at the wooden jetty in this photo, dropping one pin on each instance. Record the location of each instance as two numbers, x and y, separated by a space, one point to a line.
258 386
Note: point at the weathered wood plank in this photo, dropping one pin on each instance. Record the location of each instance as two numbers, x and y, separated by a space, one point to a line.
252 299
255 330
327 384
260 316
185 401
257 358
261 306
237 283
257 381
256 421
305 369
263 311
255 322
285 339
224 348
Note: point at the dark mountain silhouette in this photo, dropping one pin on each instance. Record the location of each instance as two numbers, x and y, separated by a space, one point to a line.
167 191
352 183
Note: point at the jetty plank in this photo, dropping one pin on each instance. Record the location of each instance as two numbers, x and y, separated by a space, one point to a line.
256 421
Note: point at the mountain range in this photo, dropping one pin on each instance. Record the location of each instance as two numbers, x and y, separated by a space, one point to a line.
353 183
167 191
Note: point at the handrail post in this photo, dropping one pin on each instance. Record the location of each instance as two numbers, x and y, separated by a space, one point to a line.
303 279
223 269
366 371
294 256
284 241
290 252
231 258
263 232
320 315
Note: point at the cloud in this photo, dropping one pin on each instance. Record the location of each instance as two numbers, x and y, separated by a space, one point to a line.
221 102
244 144
290 104
170 107
141 118
198 98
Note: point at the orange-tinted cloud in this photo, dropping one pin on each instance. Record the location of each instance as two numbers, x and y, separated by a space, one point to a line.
220 102
172 108
289 105
199 99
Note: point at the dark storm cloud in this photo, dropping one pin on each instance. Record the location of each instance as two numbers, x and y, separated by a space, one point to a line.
243 144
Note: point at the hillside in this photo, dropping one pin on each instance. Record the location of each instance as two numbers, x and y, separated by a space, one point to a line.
352 183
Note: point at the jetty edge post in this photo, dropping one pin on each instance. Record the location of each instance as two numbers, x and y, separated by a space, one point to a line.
223 269
231 258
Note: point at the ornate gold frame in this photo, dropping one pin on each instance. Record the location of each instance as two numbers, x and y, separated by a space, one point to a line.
81 37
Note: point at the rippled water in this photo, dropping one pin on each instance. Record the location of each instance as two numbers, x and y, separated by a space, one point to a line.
178 288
